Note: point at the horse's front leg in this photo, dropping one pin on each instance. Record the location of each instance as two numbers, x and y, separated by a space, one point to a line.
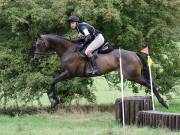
52 92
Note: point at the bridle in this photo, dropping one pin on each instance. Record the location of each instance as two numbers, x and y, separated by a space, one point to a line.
42 53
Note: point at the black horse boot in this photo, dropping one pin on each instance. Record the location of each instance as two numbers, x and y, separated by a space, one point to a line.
95 69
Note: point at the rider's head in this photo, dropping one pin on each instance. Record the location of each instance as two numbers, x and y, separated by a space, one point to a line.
73 20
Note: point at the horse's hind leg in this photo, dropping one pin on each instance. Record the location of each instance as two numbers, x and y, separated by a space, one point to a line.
146 83
160 99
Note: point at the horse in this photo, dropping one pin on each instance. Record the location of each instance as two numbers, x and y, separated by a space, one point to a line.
134 67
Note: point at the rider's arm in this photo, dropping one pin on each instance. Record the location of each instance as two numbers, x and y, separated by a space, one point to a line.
87 36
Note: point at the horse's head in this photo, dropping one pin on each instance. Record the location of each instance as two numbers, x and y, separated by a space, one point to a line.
41 47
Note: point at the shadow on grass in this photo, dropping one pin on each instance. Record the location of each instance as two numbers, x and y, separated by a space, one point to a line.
66 108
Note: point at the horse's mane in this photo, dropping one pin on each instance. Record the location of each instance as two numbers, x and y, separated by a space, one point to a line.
60 39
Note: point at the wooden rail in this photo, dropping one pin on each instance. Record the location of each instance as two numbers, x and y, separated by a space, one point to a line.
159 119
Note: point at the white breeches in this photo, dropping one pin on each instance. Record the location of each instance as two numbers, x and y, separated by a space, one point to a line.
95 44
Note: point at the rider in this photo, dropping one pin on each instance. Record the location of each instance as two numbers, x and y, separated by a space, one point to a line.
92 37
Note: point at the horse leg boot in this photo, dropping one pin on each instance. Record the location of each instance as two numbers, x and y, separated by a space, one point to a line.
52 92
95 69
52 96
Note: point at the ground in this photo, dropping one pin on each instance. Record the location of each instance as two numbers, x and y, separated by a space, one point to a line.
79 122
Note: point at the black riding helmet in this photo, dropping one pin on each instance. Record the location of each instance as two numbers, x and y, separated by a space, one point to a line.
73 19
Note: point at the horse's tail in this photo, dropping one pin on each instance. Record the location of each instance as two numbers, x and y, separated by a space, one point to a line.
145 69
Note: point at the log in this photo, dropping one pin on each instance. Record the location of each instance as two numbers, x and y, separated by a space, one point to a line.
132 105
159 119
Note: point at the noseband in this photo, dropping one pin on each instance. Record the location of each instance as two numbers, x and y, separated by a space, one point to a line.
42 53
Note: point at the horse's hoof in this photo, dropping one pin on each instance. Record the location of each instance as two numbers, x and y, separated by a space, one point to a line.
54 102
165 104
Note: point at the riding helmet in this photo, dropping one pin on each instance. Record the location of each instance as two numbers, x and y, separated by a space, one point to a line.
73 19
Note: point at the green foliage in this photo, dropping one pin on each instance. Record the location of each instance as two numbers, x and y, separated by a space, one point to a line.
129 24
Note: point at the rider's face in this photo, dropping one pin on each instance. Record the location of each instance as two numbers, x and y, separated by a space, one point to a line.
73 25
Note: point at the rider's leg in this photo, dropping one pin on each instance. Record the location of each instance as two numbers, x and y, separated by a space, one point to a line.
92 59
96 43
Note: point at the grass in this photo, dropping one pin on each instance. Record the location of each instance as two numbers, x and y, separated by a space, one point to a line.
80 122
174 106
76 123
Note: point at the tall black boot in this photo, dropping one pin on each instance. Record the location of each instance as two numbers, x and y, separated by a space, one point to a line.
95 69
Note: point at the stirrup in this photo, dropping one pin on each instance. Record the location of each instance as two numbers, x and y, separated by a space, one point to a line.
93 73
96 72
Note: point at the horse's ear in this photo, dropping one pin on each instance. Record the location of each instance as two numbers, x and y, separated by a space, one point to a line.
38 35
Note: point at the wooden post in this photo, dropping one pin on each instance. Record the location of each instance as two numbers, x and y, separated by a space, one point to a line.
132 105
159 119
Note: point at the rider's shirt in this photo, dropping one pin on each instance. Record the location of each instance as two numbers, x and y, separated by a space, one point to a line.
85 29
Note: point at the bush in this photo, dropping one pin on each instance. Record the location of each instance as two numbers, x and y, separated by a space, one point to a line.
129 24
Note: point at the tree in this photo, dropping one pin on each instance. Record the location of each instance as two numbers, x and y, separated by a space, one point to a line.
129 24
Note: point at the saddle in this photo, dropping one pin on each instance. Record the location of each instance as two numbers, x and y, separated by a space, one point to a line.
105 48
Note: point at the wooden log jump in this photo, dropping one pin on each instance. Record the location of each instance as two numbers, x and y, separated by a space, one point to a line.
159 119
132 105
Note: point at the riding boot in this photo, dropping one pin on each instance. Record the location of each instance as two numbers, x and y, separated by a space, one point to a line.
82 50
95 69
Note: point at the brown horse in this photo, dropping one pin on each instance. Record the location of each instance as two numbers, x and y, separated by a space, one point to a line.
133 66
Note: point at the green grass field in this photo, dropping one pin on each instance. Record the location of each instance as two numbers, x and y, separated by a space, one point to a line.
93 123
80 122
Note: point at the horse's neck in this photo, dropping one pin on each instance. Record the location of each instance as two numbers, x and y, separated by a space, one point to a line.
62 45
